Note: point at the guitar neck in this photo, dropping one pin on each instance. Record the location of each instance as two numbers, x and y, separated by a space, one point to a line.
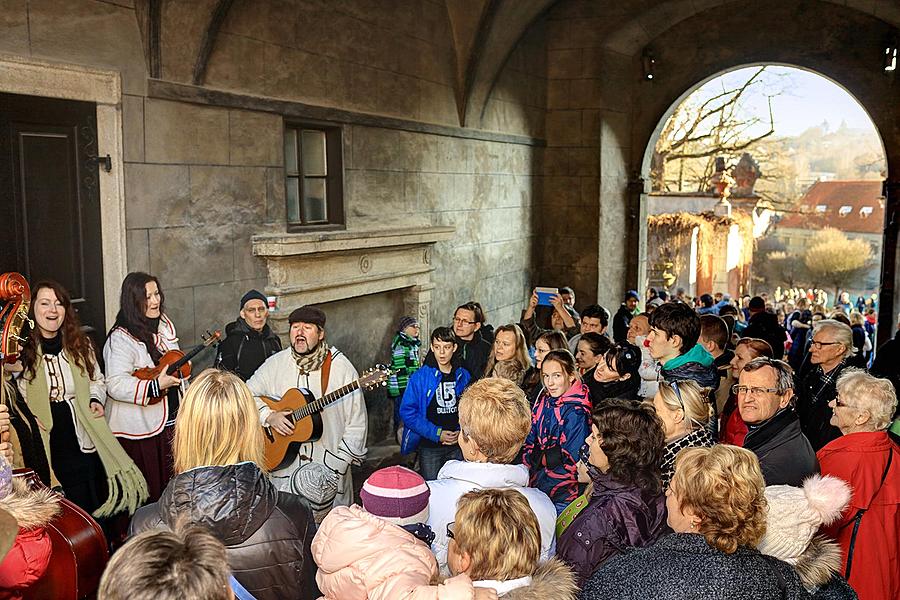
314 407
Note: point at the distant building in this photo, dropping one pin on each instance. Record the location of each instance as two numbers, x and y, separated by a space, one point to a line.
854 207
703 242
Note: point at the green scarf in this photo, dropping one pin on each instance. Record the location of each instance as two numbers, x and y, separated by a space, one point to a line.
127 486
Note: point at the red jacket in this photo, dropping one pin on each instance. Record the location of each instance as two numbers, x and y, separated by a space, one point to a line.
26 562
860 460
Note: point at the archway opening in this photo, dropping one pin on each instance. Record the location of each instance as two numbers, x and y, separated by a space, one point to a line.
766 179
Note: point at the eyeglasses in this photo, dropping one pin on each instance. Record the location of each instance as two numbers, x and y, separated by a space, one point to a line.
678 395
838 402
752 391
462 321
819 344
450 527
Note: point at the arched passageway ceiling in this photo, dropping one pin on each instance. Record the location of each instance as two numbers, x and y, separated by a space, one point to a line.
630 36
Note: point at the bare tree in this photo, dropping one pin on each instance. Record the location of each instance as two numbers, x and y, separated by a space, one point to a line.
837 260
701 130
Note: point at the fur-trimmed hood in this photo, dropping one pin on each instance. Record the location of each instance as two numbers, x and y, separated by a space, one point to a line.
552 579
819 562
32 508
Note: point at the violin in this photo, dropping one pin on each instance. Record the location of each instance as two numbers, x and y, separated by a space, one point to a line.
175 363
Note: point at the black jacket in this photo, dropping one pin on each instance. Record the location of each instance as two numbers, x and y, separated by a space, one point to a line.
474 354
683 565
621 323
765 326
266 533
785 455
600 392
814 393
245 349
887 364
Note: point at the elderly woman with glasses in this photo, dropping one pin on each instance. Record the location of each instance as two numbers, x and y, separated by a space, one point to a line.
869 460
685 413
764 392
831 347
717 508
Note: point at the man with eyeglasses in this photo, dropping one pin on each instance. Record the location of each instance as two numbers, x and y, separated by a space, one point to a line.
832 344
472 349
250 341
764 391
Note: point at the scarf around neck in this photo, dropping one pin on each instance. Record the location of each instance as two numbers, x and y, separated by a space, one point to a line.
127 486
311 361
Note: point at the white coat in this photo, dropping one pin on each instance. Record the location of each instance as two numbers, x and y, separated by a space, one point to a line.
344 422
458 477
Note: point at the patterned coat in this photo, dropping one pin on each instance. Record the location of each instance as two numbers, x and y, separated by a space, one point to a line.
559 427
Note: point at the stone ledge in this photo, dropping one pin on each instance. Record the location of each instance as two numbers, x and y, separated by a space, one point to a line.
325 266
295 244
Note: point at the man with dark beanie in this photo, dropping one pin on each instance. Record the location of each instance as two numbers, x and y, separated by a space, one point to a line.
249 340
311 364
765 326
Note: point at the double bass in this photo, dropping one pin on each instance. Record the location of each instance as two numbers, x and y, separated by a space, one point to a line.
79 549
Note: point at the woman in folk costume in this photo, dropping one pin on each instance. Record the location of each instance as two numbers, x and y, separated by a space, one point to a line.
64 389
144 425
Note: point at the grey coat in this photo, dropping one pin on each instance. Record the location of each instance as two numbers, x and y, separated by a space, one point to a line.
683 566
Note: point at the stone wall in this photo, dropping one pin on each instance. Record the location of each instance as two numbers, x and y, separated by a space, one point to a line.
201 180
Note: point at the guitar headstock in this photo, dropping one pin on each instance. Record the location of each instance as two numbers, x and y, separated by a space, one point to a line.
374 377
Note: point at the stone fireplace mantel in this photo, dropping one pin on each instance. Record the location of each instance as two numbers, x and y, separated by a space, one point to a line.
317 267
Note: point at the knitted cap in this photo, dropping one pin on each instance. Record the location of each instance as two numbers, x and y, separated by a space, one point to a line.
253 295
407 322
308 314
795 514
319 485
397 495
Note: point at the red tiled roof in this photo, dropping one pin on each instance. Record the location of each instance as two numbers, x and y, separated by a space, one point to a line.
835 195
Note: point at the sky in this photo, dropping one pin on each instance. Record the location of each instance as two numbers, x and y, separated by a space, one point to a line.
806 99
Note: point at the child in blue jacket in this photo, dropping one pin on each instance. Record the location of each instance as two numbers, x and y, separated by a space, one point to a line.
430 406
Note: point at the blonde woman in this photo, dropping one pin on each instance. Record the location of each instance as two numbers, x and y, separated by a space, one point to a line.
495 539
220 485
717 507
509 357
685 414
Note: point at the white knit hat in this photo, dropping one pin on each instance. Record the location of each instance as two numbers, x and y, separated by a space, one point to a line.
795 514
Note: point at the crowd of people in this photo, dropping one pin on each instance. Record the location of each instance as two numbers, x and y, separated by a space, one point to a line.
675 449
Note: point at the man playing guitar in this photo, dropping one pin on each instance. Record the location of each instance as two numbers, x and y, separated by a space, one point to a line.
309 363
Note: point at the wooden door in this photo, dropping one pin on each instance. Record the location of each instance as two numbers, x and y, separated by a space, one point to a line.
50 199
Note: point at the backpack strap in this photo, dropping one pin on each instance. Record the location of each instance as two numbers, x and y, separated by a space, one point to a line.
326 371
859 516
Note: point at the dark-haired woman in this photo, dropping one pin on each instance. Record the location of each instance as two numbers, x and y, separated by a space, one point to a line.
141 335
590 350
560 421
64 389
616 375
626 507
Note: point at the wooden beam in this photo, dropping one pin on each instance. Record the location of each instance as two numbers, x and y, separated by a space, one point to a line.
167 90
209 39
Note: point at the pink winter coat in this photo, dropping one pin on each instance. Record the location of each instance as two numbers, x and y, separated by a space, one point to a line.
361 556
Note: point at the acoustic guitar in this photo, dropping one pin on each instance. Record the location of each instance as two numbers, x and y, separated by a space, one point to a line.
305 409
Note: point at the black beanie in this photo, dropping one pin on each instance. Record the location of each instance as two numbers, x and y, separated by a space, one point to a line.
253 295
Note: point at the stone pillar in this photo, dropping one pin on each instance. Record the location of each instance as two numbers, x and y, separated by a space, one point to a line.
417 303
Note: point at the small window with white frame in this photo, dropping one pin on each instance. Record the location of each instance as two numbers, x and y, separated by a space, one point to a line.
845 210
821 208
865 212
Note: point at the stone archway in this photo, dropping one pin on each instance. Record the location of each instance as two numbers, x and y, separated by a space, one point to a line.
841 43
646 163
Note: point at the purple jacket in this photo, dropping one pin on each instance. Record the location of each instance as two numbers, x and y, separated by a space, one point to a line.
618 516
